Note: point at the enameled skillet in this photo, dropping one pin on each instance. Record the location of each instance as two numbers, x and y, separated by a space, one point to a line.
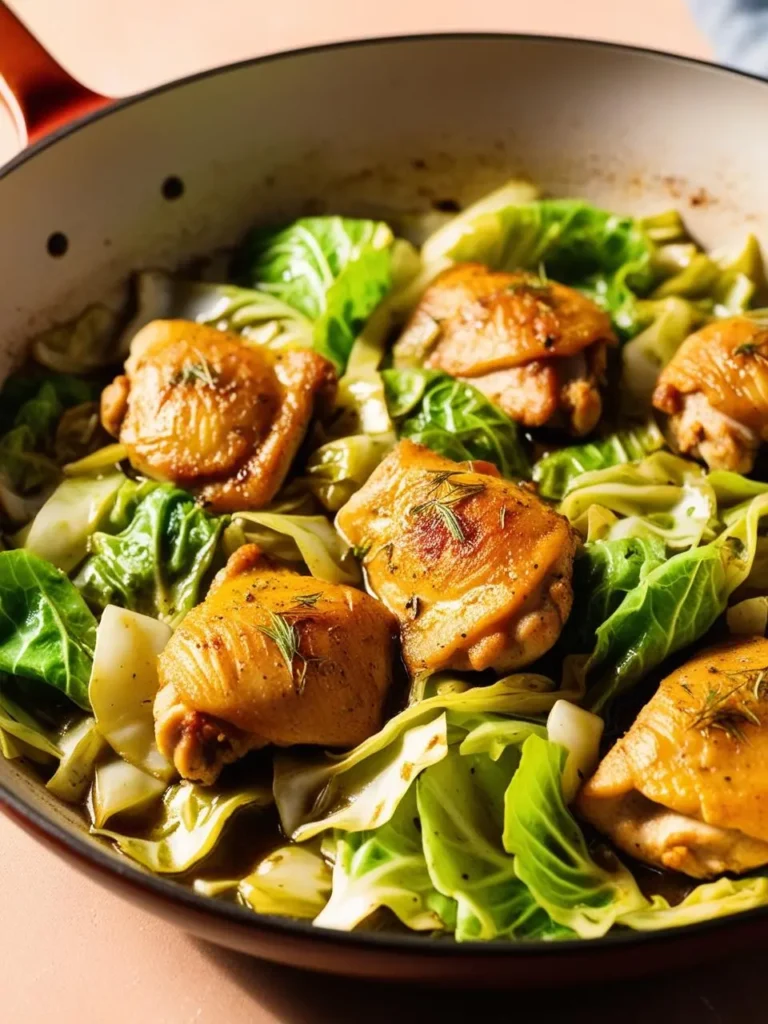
376 126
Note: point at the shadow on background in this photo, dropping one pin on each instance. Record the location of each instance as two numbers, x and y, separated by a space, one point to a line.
729 992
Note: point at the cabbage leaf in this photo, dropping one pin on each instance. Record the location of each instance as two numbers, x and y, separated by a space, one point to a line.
257 316
317 792
124 684
59 532
461 807
557 473
360 432
454 419
364 792
192 822
119 788
663 496
81 745
603 573
21 735
385 867
308 539
706 902
47 631
157 564
32 408
292 881
334 270
671 607
551 855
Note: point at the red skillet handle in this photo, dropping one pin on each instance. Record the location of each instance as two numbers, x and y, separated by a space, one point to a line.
41 96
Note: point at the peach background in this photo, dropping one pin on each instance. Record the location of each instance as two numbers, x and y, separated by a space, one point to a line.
71 952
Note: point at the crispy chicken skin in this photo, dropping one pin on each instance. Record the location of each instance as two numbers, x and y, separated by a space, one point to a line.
201 409
537 350
715 389
687 787
477 569
225 683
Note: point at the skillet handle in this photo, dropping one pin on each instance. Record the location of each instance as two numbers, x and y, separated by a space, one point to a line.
41 96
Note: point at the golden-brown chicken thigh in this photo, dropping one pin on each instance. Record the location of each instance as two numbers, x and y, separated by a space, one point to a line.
271 657
687 787
198 407
536 348
477 569
715 389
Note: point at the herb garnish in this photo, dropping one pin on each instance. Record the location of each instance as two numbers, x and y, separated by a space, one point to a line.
308 600
285 637
361 550
445 493
719 712
197 371
534 284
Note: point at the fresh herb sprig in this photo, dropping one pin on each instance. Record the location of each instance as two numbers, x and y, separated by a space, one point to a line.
200 370
721 712
443 494
285 637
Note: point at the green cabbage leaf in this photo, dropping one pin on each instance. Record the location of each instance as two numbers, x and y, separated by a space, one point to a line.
385 867
334 270
157 564
551 855
47 631
671 607
560 471
454 419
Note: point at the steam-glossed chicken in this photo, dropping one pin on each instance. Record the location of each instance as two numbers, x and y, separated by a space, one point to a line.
222 419
536 348
715 390
687 787
271 657
477 569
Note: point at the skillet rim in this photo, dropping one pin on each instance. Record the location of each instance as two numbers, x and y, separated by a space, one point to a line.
92 853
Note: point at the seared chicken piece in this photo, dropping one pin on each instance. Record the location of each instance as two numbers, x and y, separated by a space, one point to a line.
715 390
271 657
687 787
223 419
476 568
536 349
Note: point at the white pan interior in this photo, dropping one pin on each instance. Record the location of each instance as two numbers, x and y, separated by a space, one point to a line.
388 125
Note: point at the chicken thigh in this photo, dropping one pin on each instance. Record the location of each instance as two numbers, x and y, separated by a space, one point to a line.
271 657
477 569
687 787
536 348
223 419
715 389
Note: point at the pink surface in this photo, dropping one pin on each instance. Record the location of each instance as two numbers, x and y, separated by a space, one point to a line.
70 950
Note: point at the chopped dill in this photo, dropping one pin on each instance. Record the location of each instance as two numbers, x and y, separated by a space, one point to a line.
444 492
722 713
198 371
285 637
308 600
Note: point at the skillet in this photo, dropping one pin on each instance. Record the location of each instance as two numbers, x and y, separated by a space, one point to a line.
370 127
